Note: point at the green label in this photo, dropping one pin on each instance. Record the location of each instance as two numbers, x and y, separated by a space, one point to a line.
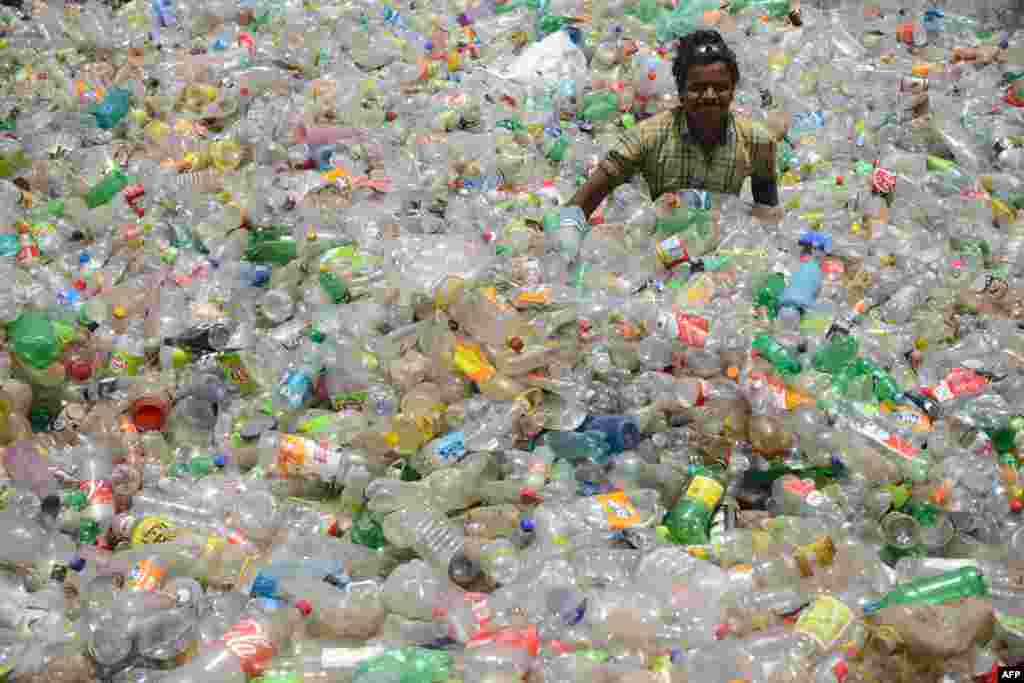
349 399
237 373
124 363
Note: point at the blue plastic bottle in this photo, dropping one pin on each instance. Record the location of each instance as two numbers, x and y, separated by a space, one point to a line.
575 447
112 109
621 432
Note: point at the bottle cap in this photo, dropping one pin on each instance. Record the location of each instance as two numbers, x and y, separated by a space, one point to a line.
527 525
77 564
120 312
305 607
220 460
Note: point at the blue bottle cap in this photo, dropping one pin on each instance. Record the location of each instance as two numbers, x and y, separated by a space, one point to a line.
77 564
527 525
263 586
84 257
220 460
428 46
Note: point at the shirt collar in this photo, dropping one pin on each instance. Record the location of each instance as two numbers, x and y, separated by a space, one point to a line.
689 138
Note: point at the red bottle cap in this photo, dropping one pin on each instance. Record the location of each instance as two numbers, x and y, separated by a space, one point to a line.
1017 505
841 670
80 370
305 607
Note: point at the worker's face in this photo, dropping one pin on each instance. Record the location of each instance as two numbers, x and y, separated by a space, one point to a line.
709 92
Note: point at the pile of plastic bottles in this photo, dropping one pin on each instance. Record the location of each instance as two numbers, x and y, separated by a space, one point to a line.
304 379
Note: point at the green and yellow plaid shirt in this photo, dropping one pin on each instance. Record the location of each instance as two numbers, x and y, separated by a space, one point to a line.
663 150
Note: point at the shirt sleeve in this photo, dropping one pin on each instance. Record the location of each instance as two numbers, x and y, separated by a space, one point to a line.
626 158
763 178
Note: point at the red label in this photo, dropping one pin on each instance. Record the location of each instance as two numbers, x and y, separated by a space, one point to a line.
98 491
799 487
832 266
525 638
959 382
248 641
693 329
883 181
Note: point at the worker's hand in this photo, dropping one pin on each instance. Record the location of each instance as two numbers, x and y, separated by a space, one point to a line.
767 214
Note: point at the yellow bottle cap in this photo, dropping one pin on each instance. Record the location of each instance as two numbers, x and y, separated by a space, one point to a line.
120 312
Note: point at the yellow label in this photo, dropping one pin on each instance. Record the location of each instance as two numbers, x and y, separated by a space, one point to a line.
762 541
214 544
619 509
706 490
823 551
470 361
825 621
153 530
698 551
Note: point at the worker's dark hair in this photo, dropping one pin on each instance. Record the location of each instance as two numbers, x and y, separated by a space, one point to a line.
701 48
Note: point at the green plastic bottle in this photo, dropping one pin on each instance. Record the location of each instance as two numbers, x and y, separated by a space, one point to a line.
600 106
367 531
960 583
274 246
407 665
689 520
34 340
776 9
782 359
768 291
102 192
839 352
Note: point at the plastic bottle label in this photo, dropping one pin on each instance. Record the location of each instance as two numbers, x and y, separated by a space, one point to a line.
959 382
706 490
236 372
299 456
124 363
524 638
799 487
469 360
893 442
147 576
825 621
153 530
692 329
348 657
672 251
621 512
248 641
450 447
99 494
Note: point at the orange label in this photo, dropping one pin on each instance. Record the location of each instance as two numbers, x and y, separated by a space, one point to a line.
291 455
248 641
540 297
470 361
146 576
619 509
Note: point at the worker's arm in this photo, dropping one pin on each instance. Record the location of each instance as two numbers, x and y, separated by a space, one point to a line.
622 163
592 193
764 185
